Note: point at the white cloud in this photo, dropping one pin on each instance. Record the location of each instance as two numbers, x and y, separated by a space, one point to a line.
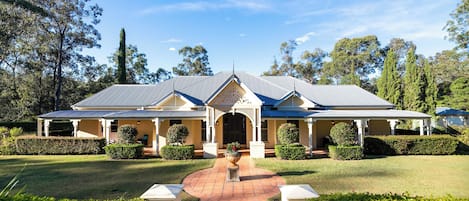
172 49
304 38
249 5
171 40
242 35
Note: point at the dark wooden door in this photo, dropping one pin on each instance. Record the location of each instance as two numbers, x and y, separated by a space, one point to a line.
234 128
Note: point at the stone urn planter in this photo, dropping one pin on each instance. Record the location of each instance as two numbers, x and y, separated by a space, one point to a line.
232 158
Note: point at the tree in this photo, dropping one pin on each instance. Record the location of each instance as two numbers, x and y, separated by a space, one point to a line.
311 69
286 51
459 98
389 84
400 48
194 61
274 69
67 26
458 26
121 59
353 60
431 90
413 86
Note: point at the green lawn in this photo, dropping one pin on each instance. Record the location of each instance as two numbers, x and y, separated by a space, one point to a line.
426 176
94 176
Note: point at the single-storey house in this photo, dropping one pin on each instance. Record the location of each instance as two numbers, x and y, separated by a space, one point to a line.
231 106
451 117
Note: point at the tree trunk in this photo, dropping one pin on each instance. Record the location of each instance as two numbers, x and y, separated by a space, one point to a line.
58 89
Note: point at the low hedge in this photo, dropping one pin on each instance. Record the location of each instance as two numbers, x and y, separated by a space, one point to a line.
290 152
124 151
411 145
345 152
58 145
177 152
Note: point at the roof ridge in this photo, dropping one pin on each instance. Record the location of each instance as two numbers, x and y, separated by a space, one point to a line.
271 83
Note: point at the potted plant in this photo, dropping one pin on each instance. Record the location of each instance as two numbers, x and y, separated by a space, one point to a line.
232 154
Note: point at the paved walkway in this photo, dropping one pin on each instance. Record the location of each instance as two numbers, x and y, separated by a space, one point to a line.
256 184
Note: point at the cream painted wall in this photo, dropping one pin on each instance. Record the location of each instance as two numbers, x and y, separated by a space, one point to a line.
90 127
379 127
144 127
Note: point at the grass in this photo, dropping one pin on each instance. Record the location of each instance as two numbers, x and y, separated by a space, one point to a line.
94 176
428 176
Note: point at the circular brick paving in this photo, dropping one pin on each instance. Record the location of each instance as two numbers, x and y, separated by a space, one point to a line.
256 184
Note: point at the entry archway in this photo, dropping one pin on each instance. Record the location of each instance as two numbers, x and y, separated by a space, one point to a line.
234 128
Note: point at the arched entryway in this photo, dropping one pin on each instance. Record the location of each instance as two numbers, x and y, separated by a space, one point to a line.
234 128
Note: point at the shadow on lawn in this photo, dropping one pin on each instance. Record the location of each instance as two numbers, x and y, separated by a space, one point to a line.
296 173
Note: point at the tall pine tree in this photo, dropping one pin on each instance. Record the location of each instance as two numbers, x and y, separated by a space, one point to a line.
431 90
389 84
121 70
412 83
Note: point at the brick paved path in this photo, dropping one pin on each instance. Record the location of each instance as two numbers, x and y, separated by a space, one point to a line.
256 184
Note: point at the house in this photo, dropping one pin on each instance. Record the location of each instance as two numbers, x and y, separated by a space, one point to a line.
231 106
451 117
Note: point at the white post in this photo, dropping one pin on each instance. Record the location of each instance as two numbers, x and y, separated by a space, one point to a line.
103 125
259 125
108 130
75 126
155 142
207 125
361 127
428 126
310 135
39 127
213 126
46 127
392 124
421 126
253 123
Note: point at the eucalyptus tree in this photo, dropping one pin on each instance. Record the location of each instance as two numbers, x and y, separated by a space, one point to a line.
194 61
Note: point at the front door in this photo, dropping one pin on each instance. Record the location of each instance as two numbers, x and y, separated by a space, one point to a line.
234 128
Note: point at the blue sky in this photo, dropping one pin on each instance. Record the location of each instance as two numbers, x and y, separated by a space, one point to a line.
250 32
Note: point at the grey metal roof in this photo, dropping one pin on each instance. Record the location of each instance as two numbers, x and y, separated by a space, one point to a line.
346 114
78 114
199 89
446 111
92 114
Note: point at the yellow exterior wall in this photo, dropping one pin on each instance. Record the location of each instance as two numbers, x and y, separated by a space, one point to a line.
379 127
323 128
90 127
144 127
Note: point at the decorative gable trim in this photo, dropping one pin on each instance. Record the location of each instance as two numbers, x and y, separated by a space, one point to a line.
254 99
172 95
292 94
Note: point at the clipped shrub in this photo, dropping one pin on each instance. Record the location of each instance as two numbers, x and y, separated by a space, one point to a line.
4 132
177 152
126 134
124 151
7 146
343 134
15 131
411 145
58 145
345 152
177 133
463 146
288 133
290 152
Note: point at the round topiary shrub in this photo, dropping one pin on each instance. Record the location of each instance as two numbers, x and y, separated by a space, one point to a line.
343 134
288 134
177 133
126 134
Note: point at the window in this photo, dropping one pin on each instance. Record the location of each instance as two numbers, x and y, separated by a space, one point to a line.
203 130
296 122
114 125
172 122
264 131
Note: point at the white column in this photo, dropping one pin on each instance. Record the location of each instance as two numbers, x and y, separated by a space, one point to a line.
107 129
46 127
213 126
155 143
428 126
207 125
361 127
39 127
259 125
75 126
310 123
103 125
421 126
392 124
253 123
